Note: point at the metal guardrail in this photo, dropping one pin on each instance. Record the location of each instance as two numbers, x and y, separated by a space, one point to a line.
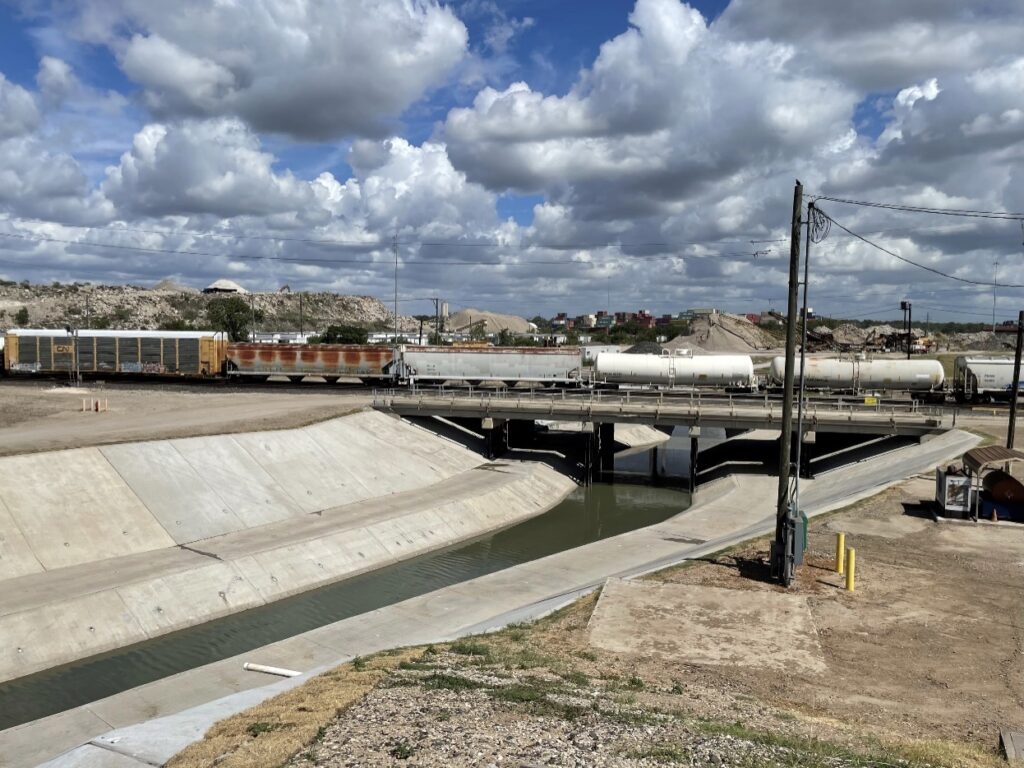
694 400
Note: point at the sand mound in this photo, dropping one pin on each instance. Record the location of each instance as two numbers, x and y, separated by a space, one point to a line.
723 333
493 322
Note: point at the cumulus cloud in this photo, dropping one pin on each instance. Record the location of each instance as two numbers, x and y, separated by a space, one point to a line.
311 70
204 167
18 112
663 175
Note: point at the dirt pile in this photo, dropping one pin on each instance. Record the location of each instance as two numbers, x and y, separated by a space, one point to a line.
493 322
724 333
133 307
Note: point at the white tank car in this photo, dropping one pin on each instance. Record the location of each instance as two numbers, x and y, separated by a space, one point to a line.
675 370
831 373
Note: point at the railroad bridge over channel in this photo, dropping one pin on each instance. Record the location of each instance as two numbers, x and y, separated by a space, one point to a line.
600 411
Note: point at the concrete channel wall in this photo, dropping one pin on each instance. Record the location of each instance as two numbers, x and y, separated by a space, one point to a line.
104 547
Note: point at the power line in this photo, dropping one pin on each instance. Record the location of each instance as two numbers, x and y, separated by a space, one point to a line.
965 212
918 264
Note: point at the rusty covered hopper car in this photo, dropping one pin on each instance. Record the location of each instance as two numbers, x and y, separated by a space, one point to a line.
139 353
296 361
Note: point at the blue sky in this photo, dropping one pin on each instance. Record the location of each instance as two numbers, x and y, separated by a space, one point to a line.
529 137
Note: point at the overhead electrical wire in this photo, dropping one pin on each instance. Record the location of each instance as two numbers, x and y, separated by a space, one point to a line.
925 267
964 212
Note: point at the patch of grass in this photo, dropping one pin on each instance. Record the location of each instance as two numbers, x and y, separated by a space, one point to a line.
677 689
445 681
359 664
661 753
403 750
320 733
417 666
635 683
470 648
576 678
808 752
587 655
444 716
310 756
297 716
518 693
255 729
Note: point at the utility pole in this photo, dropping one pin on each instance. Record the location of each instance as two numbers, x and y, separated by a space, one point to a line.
803 362
394 246
906 307
785 519
1016 381
995 282
300 314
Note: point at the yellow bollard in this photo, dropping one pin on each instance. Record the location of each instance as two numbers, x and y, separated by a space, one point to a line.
851 568
840 552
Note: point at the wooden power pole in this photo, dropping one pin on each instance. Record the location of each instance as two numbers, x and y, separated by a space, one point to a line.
1016 382
783 548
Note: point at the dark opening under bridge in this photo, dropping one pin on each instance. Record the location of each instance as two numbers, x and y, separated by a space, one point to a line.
496 409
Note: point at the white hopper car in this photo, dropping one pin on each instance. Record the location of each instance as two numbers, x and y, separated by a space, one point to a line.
732 371
981 378
856 375
498 364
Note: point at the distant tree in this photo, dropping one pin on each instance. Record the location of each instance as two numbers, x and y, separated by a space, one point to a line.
174 324
542 323
341 334
21 317
478 331
234 316
505 338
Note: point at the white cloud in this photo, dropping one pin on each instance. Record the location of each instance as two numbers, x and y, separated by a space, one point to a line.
18 112
311 70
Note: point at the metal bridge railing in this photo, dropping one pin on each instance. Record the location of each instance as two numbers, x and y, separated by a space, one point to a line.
694 399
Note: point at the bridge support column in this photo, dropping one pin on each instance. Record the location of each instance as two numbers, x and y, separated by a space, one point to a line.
605 448
807 444
495 437
694 434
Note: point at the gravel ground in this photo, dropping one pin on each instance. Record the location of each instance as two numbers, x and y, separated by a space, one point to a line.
465 710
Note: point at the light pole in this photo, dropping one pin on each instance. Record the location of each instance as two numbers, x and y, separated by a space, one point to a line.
907 321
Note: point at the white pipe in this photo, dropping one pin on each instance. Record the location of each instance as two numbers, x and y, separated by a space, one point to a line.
250 667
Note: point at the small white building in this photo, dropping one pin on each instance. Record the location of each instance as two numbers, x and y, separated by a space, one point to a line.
224 286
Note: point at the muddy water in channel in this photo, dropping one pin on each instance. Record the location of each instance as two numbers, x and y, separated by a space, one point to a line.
588 514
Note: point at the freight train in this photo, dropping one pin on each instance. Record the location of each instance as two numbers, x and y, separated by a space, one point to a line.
208 355
922 378
983 378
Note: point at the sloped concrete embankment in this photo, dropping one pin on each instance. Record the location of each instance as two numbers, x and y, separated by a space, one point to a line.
104 547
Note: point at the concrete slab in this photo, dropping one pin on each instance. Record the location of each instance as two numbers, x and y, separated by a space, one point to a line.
171 602
302 468
72 507
34 639
241 483
175 493
16 558
707 625
33 743
91 756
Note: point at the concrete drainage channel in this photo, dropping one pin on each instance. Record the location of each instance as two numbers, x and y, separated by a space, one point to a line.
587 515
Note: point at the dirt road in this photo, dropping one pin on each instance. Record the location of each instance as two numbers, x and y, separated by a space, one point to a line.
38 416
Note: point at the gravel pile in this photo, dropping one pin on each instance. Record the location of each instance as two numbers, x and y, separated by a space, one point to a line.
448 714
133 307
